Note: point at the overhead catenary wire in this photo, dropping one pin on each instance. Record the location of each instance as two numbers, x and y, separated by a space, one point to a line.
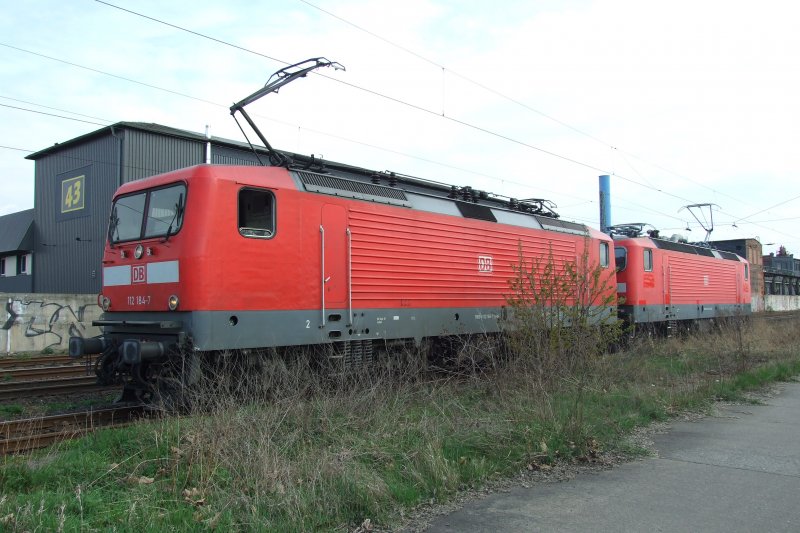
405 103
52 114
522 104
571 160
515 101
206 101
461 169
54 108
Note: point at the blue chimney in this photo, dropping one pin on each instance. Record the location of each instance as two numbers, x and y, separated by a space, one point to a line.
605 203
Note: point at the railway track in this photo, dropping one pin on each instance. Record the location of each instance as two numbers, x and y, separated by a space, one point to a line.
44 375
37 360
45 372
777 315
11 390
34 433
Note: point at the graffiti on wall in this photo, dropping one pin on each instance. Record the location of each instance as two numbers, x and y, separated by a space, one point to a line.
47 323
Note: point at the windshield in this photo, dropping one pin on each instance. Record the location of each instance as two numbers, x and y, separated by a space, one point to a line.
164 208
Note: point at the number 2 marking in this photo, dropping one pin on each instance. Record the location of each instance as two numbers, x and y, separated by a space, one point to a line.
308 324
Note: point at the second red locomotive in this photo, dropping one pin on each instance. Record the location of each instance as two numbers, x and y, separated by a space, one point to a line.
668 282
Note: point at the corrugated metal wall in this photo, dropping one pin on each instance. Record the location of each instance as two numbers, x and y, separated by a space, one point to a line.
223 155
147 154
63 264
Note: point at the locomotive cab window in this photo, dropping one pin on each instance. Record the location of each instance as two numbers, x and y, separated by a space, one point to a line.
604 254
164 212
648 260
147 214
256 213
746 271
621 257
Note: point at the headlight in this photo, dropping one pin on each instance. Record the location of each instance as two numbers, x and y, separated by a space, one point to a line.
137 253
105 303
173 302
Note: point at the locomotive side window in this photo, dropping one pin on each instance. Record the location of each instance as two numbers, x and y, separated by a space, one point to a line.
604 254
621 257
256 213
746 271
648 260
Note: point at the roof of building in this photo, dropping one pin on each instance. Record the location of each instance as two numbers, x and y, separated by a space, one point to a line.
16 232
140 126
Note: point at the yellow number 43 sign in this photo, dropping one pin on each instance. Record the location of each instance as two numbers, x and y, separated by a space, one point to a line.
72 194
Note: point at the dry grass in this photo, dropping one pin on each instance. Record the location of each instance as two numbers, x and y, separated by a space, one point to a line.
294 449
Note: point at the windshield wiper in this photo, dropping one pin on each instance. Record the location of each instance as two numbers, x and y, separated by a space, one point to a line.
113 225
178 212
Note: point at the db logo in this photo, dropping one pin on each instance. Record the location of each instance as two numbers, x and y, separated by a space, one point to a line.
139 274
485 263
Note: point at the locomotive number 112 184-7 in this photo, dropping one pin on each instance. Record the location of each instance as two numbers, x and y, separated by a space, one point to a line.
139 300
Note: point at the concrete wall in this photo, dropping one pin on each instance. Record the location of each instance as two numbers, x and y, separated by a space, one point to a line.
757 303
33 322
780 302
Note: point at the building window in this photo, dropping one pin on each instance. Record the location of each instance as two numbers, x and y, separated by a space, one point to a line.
9 266
256 213
648 260
604 254
24 264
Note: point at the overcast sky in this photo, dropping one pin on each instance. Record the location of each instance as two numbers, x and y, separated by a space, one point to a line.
682 102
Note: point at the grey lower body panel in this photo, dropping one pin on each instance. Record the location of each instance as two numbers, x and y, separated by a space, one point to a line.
638 314
216 330
220 330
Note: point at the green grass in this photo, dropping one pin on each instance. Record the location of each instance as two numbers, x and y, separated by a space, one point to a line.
326 458
11 410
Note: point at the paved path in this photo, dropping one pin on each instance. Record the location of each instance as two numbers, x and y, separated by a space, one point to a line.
736 471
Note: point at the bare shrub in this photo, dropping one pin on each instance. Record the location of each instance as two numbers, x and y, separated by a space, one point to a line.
562 313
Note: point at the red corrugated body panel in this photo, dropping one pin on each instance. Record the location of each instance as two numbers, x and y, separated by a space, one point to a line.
695 280
429 260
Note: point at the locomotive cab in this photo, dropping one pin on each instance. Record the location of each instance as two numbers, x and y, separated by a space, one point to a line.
178 246
141 275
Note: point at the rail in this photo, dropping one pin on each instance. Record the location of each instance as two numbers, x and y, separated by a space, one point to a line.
32 433
12 390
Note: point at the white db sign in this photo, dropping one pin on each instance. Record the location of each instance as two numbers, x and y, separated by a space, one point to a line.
485 263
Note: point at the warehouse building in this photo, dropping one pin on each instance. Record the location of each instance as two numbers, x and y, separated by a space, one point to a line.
16 245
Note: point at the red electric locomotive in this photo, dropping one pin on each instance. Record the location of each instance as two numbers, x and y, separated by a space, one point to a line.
212 258
666 282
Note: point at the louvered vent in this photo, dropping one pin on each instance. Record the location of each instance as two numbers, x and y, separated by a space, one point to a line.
554 224
360 190
685 248
728 255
